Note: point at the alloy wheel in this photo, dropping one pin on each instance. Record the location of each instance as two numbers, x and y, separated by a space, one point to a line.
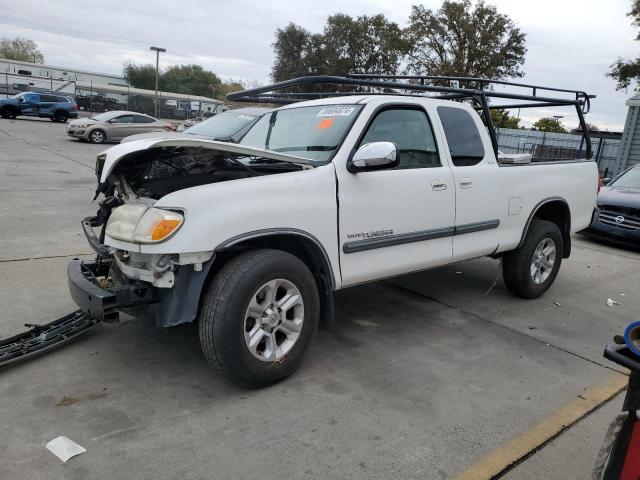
273 320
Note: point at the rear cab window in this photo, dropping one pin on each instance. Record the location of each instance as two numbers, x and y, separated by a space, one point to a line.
463 137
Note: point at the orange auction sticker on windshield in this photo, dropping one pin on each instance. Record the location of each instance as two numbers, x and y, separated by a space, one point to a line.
326 122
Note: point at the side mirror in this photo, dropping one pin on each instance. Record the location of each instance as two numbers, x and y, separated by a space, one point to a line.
21 99
374 156
606 181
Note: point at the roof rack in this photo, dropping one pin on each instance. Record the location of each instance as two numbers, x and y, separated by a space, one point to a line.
291 91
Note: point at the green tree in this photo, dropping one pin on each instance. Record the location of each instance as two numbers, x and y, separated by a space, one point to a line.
140 76
366 44
20 49
549 125
226 87
362 45
502 119
293 49
189 79
461 40
627 71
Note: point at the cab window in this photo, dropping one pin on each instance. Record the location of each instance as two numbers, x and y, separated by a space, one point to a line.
123 119
462 136
410 130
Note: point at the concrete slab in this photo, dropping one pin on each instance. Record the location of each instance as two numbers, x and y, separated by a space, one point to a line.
572 315
571 456
43 223
33 291
405 388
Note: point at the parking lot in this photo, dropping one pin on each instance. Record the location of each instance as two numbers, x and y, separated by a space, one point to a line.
440 374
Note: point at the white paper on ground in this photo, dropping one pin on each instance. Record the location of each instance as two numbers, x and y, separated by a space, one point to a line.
64 449
611 302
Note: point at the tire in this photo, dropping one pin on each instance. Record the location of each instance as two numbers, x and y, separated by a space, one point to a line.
528 271
227 328
60 116
97 136
8 112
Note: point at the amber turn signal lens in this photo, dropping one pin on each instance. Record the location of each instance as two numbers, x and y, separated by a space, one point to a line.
164 228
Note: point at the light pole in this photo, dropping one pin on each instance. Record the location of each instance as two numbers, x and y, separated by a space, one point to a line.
157 50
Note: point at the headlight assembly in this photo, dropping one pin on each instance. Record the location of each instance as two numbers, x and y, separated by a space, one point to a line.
141 224
157 225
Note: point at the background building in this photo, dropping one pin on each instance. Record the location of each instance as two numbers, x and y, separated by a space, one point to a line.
100 92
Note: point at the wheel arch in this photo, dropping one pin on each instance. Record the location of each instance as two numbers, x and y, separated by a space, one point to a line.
299 243
10 108
556 210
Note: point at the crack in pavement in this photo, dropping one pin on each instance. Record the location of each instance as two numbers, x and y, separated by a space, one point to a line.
9 260
551 439
46 149
493 322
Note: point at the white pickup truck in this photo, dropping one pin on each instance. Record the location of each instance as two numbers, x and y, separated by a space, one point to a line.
251 239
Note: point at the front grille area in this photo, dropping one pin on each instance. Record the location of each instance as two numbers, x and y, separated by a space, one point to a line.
626 218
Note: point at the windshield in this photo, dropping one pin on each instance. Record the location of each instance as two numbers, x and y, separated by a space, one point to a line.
309 132
17 95
631 179
105 117
223 125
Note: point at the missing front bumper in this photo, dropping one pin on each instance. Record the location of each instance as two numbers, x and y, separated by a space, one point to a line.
91 288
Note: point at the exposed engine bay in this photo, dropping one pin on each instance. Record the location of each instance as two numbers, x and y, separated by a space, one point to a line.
155 172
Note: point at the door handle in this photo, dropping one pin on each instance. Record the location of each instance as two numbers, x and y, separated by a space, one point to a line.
438 184
466 183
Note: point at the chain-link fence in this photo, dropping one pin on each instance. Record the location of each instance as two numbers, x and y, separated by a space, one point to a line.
549 145
93 97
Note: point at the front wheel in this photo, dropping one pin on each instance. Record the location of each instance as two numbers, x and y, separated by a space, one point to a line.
97 136
9 112
259 316
529 270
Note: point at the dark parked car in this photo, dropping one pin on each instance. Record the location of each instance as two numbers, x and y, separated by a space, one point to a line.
55 106
617 215
229 126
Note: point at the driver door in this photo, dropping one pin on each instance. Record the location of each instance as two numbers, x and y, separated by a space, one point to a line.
30 104
397 220
121 127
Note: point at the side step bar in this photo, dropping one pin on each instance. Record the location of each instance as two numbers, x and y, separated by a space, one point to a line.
41 338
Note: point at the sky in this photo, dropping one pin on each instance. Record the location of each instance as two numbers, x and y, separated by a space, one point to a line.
571 43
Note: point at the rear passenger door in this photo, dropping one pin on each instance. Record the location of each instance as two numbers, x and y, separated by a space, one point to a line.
121 127
144 124
396 220
47 104
479 209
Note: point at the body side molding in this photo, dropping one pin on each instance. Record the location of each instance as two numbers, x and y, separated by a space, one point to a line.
419 236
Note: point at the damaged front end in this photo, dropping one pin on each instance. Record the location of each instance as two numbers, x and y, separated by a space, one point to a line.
163 288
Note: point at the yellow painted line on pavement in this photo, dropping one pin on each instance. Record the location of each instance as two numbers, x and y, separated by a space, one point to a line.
520 446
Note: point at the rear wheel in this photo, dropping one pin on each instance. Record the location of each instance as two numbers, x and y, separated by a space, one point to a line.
9 112
529 270
259 316
97 136
60 116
